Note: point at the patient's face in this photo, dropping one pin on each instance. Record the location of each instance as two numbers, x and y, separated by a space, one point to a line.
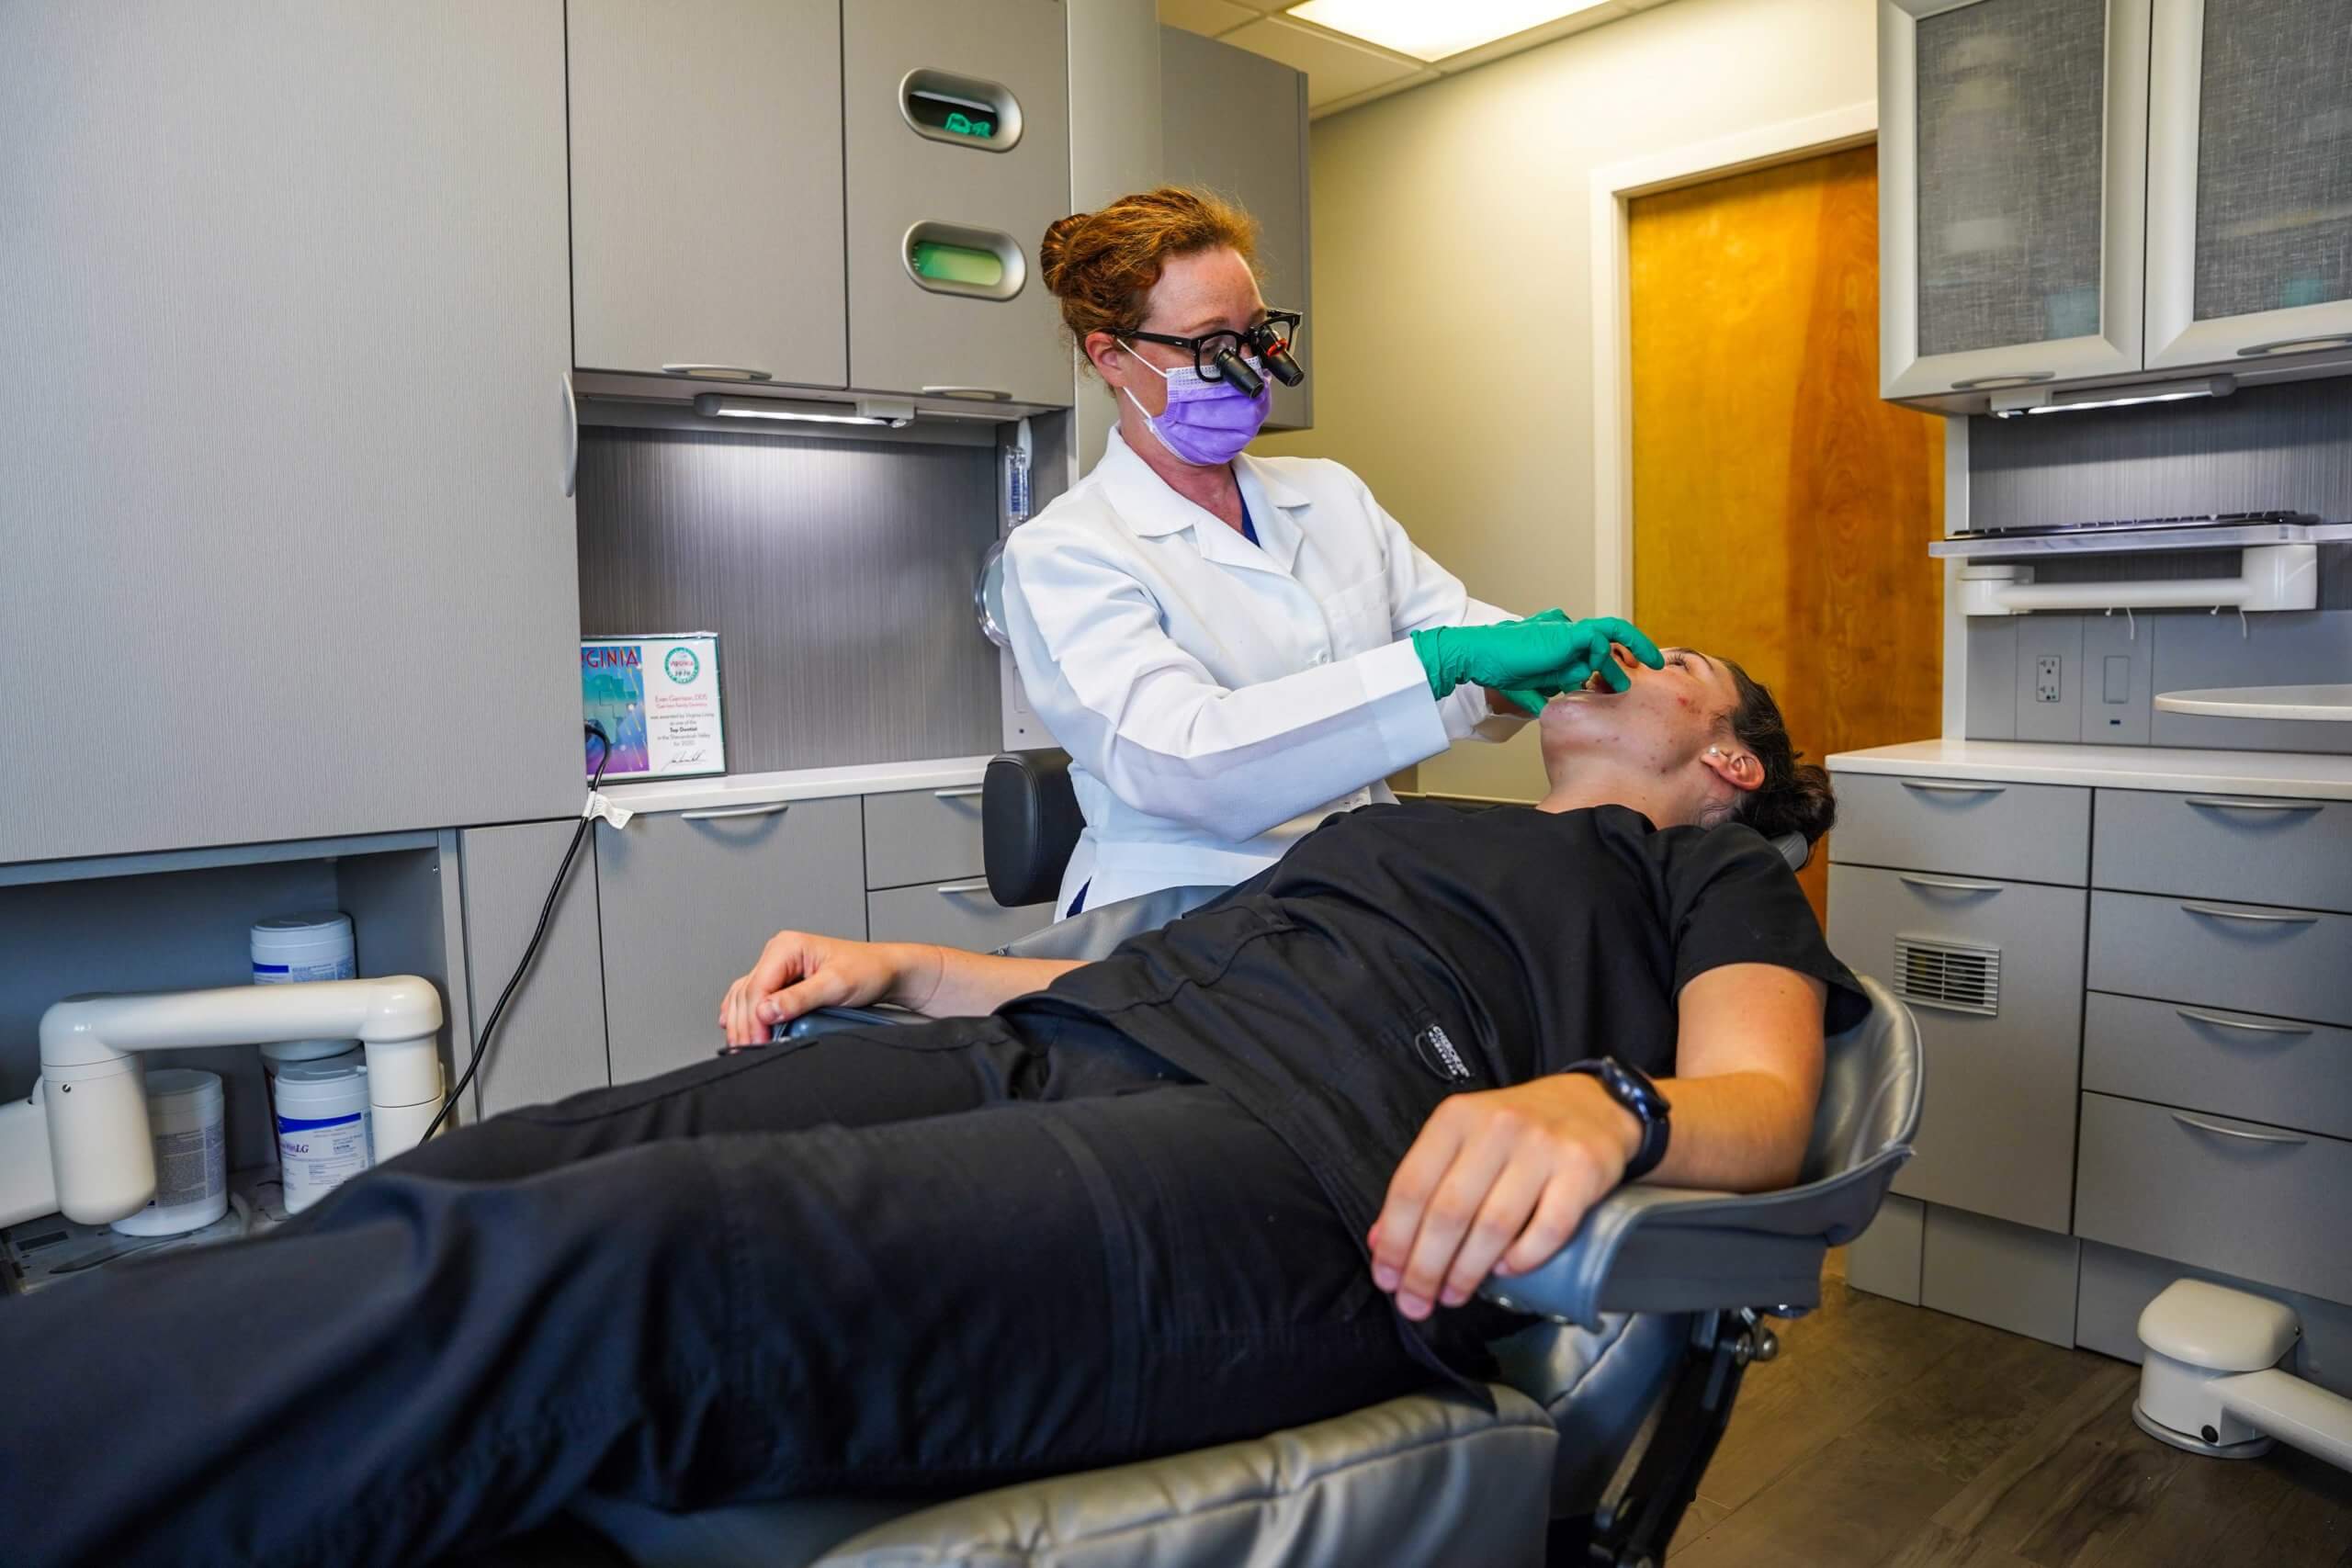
1662 721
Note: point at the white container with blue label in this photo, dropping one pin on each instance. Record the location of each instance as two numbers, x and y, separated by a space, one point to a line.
304 947
321 1127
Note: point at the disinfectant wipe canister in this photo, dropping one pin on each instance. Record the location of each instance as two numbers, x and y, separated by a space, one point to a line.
322 1128
304 947
185 1117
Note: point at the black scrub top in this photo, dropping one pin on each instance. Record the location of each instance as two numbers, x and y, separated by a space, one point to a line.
1400 954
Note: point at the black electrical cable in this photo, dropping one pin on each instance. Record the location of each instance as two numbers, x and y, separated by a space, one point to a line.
531 948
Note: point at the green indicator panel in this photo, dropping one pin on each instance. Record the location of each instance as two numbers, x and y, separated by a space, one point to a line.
956 117
956 263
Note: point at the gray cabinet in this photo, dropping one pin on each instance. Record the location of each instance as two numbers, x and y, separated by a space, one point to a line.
2279 1070
2257 848
2289 963
1236 123
689 897
2236 1196
550 1042
2002 1050
924 835
943 226
706 187
1978 827
2012 178
2249 180
952 914
283 431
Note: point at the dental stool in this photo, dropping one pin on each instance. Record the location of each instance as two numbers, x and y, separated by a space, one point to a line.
1608 1411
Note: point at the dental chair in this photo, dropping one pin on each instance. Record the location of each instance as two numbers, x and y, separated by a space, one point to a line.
1608 1410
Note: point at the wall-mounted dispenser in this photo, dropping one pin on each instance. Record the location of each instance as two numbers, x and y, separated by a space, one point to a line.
964 110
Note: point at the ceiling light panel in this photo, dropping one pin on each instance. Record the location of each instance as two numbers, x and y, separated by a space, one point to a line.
1429 31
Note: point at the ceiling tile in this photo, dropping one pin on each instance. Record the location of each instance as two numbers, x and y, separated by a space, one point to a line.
1335 68
1205 16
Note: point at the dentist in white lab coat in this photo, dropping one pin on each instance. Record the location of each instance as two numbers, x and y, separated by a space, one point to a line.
1219 641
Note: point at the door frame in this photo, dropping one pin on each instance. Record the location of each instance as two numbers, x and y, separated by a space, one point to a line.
1613 186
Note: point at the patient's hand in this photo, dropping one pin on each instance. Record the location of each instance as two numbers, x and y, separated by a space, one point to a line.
1497 1182
798 973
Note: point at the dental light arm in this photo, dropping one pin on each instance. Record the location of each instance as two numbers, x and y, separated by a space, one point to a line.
99 1157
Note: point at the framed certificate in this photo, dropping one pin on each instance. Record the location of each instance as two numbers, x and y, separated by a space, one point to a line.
657 699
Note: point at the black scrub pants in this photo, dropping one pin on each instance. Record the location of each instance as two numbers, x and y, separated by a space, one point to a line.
927 1258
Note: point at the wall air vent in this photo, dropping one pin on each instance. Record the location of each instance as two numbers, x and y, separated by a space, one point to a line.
1954 976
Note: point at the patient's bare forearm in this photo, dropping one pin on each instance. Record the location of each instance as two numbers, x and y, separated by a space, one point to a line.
1735 1131
948 982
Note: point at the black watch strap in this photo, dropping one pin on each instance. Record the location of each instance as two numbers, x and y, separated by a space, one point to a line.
1630 1088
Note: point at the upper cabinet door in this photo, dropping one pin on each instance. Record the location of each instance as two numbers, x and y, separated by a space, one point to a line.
282 430
957 125
706 188
2249 180
1236 123
2012 172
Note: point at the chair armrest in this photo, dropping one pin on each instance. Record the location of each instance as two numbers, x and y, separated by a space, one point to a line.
827 1020
1669 1249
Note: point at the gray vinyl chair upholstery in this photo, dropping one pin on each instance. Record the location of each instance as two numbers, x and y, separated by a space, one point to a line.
1643 1322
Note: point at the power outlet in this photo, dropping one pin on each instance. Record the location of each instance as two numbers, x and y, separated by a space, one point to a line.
2045 679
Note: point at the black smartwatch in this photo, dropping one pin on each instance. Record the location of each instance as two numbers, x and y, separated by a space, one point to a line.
1629 1087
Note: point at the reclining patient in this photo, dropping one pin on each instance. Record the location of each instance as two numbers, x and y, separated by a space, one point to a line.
1246 1173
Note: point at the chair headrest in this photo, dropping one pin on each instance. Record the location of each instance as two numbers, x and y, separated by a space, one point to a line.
1029 824
1796 849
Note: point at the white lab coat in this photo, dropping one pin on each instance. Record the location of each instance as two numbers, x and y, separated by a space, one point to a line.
1219 698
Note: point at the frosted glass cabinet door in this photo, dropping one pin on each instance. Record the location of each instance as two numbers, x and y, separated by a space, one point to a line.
706 187
2249 180
2011 177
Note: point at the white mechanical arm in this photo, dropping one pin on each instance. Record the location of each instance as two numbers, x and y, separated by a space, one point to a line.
88 1152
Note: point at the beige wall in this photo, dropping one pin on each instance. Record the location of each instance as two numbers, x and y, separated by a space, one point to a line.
1466 202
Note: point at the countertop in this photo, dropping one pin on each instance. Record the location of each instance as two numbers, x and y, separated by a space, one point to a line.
797 783
2298 774
2316 704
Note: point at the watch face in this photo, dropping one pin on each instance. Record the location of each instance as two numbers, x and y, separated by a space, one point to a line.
1636 1092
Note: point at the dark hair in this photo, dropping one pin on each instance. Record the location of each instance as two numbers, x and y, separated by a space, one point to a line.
1796 796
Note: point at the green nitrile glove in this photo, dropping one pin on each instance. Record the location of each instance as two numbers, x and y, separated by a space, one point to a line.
1540 657
1531 700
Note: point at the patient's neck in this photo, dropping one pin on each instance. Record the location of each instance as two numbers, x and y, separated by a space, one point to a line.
1585 783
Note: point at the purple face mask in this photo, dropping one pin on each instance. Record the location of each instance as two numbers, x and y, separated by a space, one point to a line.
1207 422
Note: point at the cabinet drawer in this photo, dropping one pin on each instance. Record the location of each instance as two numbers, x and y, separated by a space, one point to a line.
923 835
2220 1193
2225 846
955 914
2021 833
1996 1133
2265 1069
2281 962
688 898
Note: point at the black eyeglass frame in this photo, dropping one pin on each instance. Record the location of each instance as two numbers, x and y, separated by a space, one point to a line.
1254 341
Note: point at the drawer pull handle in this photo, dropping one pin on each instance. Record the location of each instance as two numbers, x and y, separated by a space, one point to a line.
721 814
2251 917
720 372
2195 1015
959 889
2215 1128
1948 883
964 792
2215 804
1930 786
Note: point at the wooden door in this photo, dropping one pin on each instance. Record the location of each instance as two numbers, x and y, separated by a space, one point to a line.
1781 512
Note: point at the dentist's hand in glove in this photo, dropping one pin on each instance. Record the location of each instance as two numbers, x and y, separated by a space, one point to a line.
1531 662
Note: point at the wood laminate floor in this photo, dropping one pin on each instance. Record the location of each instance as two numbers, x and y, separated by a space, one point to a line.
1889 1434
